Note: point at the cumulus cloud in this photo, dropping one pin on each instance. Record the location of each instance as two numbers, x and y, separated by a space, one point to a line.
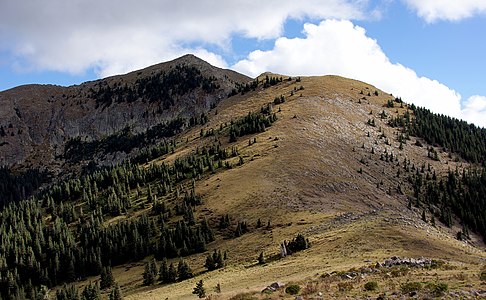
475 110
450 10
114 37
341 48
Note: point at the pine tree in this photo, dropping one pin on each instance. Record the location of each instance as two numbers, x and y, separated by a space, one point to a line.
116 293
424 217
210 264
91 292
199 289
218 259
183 270
261 258
67 293
150 273
106 278
164 272
172 273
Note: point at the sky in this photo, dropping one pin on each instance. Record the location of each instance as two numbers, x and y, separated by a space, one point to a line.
428 52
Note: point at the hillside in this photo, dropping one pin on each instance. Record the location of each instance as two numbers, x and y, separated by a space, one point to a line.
37 121
339 161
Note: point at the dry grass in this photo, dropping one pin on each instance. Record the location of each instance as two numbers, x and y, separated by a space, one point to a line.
301 175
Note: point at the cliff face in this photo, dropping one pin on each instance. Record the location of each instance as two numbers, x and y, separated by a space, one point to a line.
36 121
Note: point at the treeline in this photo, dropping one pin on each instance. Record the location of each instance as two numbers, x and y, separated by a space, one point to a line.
253 85
460 137
252 123
77 150
460 193
163 87
21 185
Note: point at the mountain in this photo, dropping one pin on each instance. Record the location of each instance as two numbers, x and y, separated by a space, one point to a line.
373 197
38 120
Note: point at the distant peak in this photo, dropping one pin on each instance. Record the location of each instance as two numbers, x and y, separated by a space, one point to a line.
189 58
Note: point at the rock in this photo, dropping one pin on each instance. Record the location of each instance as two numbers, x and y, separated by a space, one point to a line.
378 265
276 285
268 290
299 298
412 293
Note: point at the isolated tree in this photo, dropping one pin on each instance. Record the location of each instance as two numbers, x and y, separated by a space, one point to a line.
261 258
199 289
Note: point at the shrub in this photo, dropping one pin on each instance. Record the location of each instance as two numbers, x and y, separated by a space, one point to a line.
345 286
292 289
371 285
310 288
437 263
482 276
411 286
439 289
243 296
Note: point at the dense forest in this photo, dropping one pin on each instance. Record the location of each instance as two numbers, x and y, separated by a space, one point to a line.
61 234
462 193
125 141
457 136
16 186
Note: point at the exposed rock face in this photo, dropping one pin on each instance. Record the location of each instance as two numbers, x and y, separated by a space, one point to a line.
37 120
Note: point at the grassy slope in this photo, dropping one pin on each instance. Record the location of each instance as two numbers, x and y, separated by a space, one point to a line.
301 175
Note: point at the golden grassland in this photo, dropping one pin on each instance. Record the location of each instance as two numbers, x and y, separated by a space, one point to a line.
302 176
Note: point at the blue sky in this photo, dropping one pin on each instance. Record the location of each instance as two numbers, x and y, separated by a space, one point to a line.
429 52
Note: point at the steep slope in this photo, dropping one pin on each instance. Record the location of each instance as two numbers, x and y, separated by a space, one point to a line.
281 156
320 169
37 120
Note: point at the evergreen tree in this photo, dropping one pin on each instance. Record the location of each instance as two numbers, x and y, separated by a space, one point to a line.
67 293
171 274
91 292
150 272
261 258
199 289
424 217
210 264
164 272
106 278
183 270
116 293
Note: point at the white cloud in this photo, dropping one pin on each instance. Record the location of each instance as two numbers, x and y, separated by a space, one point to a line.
450 10
114 36
339 47
475 110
